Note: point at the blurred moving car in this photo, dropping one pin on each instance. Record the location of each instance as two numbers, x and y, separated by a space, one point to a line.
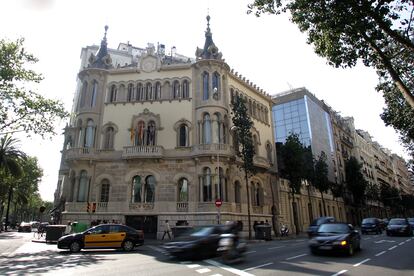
371 225
103 236
201 241
399 226
339 237
411 222
24 227
313 227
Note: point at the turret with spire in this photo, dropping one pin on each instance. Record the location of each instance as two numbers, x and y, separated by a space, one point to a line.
210 50
102 59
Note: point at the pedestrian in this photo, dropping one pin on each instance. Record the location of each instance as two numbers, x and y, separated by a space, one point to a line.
167 230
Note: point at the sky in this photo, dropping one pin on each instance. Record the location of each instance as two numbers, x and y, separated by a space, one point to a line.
270 51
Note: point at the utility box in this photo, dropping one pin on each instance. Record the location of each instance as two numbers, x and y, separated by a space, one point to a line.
54 232
263 232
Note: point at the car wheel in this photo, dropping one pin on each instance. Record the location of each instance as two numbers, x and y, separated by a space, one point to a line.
75 247
313 251
351 250
128 245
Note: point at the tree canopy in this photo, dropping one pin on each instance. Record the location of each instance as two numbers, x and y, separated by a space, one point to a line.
355 181
22 109
380 33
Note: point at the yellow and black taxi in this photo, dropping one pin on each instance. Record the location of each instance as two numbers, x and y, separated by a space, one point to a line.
103 236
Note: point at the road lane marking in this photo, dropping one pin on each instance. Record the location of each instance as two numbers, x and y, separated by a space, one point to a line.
360 263
217 275
294 257
156 248
203 270
382 241
193 265
248 252
276 247
228 268
401 243
408 240
340 272
251 268
391 248
366 239
186 262
379 254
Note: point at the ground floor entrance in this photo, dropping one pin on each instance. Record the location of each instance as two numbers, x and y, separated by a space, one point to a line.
146 223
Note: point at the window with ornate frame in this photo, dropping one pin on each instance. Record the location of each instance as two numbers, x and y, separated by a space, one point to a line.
83 186
112 95
206 86
94 93
206 185
130 95
109 138
149 189
186 89
104 194
89 134
206 129
237 192
84 91
182 190
136 189
176 89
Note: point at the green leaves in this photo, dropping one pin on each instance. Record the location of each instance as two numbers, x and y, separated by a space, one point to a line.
22 109
355 180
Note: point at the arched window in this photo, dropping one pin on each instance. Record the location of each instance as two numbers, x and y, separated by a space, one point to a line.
237 189
140 91
130 94
207 191
83 186
151 133
112 96
139 134
104 197
149 191
148 91
83 94
90 134
216 133
224 130
94 93
80 133
221 186
256 146
186 90
72 188
176 90
205 86
258 195
269 153
109 138
183 136
216 84
182 190
158 90
232 96
206 129
136 189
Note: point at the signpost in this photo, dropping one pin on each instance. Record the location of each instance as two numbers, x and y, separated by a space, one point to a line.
218 203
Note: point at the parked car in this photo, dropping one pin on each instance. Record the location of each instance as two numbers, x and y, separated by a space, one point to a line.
337 237
201 241
24 227
399 226
103 236
411 222
371 225
313 227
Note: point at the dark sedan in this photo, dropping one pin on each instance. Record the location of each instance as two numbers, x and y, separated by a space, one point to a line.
313 227
399 226
411 222
338 237
199 242
371 225
103 236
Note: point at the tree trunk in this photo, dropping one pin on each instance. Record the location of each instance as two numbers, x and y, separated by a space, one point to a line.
323 205
274 211
8 206
295 214
248 205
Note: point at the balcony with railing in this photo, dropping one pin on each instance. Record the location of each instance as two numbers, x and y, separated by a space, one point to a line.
141 205
80 153
182 206
132 152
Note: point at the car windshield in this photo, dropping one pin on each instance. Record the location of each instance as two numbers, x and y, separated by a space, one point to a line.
397 222
333 228
368 220
201 231
411 219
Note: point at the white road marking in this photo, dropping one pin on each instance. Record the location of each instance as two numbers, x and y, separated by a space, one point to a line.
408 240
193 265
186 262
251 268
360 263
203 270
294 257
248 252
228 268
382 241
216 275
340 272
276 247
401 243
379 254
391 248
366 239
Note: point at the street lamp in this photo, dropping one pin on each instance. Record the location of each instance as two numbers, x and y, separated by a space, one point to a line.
310 210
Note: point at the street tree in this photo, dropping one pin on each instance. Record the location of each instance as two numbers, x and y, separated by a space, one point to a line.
380 33
22 109
321 181
10 157
242 124
355 181
292 168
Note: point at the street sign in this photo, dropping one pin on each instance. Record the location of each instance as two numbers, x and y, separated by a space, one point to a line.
218 203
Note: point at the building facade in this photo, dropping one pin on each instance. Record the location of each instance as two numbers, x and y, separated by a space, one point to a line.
151 140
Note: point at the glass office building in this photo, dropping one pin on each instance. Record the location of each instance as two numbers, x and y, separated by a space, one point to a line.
298 111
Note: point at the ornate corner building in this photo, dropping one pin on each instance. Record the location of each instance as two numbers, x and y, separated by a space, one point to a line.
150 140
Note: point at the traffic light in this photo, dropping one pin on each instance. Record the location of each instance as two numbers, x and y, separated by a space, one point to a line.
88 207
93 207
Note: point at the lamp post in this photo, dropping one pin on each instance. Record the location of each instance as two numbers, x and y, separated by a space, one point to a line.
310 209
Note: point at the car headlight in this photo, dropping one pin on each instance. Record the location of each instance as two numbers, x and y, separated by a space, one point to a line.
342 243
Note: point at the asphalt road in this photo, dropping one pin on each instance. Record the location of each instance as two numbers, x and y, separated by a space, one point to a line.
380 255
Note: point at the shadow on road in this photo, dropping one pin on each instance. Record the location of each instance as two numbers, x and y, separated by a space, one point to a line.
8 236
